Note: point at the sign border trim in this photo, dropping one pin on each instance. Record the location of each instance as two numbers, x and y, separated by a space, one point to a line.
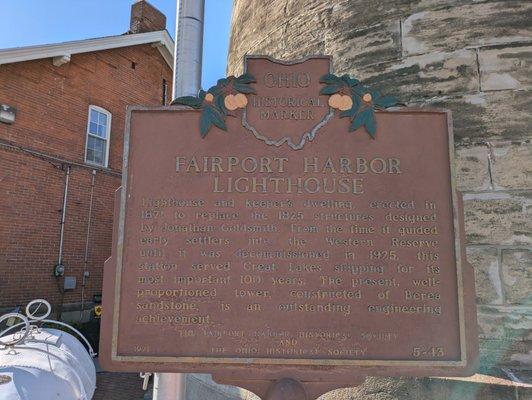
290 361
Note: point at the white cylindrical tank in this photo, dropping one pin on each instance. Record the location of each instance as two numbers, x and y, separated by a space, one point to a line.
48 364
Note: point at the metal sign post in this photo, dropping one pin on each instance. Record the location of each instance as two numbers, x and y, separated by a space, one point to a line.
187 82
188 48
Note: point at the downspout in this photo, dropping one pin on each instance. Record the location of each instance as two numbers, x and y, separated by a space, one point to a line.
59 269
86 273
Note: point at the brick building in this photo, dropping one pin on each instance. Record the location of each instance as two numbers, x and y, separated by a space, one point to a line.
62 108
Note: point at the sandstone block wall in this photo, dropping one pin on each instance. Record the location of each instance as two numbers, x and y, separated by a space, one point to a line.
472 57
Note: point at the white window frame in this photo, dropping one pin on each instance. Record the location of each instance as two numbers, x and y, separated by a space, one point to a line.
108 135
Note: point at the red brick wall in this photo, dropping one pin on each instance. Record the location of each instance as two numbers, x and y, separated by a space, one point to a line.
146 18
52 110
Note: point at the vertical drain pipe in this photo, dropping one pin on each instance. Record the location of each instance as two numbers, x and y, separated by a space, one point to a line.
86 258
59 267
188 55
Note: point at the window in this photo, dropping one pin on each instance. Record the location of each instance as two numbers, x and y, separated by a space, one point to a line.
98 134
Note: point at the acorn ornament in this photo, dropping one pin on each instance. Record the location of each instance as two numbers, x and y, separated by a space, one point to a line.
346 104
234 101
241 100
335 100
340 101
359 105
230 102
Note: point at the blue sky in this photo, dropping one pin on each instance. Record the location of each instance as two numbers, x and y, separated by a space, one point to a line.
32 22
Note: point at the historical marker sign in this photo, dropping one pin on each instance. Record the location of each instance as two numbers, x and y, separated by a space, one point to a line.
317 237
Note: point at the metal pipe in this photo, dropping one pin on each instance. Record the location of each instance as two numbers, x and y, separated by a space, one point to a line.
188 47
86 258
59 269
188 55
169 386
63 215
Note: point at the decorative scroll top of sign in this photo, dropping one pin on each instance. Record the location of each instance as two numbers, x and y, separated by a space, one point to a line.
303 94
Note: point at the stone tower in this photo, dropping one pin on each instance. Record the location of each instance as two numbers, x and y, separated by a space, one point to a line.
472 57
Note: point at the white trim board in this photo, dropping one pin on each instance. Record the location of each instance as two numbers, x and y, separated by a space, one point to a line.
160 39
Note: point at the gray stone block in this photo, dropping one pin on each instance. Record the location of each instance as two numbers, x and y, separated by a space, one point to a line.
472 168
487 116
505 323
506 68
363 45
517 276
467 24
505 336
512 165
498 218
488 285
414 78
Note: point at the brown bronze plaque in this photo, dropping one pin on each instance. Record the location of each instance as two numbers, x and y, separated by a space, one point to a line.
338 258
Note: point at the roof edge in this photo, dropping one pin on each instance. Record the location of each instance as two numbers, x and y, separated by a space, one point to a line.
161 40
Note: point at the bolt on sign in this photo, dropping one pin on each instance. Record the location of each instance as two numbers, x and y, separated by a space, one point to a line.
289 225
